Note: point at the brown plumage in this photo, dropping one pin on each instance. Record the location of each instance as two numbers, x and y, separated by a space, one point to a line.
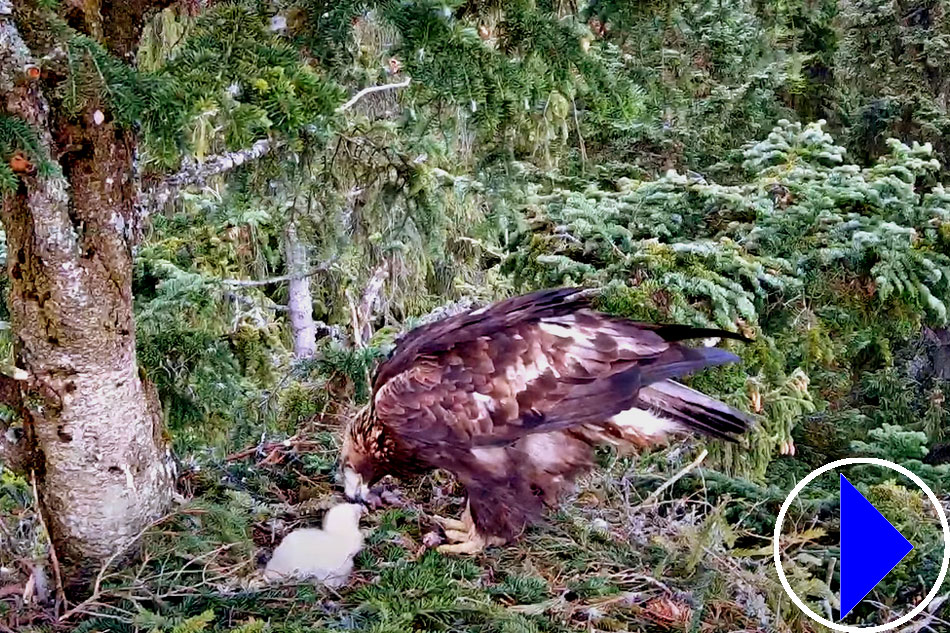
512 399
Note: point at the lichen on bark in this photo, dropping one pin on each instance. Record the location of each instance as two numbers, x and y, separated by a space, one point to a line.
92 425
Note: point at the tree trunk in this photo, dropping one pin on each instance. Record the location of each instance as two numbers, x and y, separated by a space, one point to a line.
93 422
299 299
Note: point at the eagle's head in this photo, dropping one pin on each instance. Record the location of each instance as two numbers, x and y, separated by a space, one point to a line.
365 453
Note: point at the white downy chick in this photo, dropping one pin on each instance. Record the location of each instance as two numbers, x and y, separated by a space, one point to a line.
324 555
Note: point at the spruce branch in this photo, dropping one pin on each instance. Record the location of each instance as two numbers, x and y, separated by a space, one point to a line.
198 174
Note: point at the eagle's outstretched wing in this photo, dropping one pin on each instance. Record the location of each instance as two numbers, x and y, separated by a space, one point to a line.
543 362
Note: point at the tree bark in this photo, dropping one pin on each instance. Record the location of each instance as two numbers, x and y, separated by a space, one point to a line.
299 298
92 421
14 450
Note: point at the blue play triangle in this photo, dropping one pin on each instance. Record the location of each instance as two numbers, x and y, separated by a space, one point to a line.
870 547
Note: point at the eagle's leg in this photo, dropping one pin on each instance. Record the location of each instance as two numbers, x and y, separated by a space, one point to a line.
467 540
456 536
473 543
455 525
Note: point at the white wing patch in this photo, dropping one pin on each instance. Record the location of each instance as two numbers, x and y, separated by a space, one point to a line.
544 451
567 327
485 403
495 460
555 327
520 374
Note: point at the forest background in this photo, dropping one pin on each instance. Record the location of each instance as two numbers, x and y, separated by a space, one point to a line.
304 181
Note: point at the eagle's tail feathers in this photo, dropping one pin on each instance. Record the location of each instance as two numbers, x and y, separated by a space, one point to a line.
692 359
694 410
640 402
676 332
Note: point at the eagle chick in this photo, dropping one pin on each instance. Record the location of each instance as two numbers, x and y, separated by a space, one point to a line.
513 398
324 555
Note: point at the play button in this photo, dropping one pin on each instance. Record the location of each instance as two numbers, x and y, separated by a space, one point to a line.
870 547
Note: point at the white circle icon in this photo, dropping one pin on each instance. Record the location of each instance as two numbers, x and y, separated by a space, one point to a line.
862 629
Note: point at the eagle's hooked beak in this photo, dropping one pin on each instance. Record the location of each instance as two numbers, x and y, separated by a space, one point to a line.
354 488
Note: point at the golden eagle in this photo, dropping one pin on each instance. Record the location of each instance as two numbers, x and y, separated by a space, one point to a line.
513 397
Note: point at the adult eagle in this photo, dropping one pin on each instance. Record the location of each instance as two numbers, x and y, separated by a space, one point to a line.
512 399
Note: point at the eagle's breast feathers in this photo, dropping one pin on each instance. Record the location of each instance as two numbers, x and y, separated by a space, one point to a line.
513 397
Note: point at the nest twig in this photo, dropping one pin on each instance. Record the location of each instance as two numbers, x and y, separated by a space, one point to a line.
274 451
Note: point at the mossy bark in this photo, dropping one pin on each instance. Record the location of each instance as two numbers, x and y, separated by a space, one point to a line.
93 422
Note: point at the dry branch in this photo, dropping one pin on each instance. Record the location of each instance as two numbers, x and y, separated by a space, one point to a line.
57 573
283 278
365 91
656 493
269 448
249 303
198 174
361 316
370 300
79 609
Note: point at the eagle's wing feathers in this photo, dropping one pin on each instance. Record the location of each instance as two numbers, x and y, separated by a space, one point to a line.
536 366
468 326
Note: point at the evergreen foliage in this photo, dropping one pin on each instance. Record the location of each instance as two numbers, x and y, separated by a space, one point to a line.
675 155
893 68
814 255
237 81
18 138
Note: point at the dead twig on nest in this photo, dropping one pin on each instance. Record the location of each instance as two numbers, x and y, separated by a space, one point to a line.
651 500
101 576
269 448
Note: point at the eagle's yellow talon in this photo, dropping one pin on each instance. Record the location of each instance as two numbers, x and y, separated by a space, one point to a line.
470 542
465 547
456 536
451 524
465 525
